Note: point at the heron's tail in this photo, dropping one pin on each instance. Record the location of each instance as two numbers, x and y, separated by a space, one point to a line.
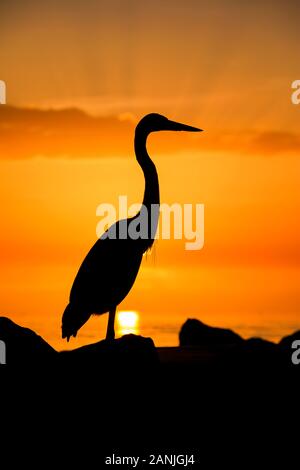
72 320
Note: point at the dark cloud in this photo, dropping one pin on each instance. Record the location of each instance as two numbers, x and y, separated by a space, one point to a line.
25 133
277 142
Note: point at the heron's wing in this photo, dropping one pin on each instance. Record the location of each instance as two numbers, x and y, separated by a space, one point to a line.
106 274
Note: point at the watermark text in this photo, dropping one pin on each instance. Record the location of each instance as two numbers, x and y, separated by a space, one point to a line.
2 92
2 352
175 221
295 96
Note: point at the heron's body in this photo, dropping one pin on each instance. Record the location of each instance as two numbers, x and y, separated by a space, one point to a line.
106 274
110 268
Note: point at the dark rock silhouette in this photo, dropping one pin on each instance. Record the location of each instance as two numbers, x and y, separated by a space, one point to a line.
195 333
130 351
204 352
287 349
24 346
286 342
182 404
254 355
224 351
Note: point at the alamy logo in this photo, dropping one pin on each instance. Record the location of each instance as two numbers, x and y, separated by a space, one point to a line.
295 97
296 354
179 222
2 92
2 352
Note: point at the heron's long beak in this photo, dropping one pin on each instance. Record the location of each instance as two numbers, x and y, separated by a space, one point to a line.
177 126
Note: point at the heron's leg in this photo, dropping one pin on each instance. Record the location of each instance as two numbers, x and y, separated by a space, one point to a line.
110 333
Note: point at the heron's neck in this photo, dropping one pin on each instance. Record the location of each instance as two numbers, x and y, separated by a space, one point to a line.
151 194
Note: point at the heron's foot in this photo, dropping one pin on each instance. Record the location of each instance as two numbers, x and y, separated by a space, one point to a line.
110 336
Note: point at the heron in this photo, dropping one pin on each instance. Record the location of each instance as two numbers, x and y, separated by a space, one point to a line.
109 270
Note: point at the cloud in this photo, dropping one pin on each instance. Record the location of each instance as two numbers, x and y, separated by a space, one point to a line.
25 133
277 142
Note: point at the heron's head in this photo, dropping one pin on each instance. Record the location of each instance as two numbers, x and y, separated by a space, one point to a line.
156 122
73 319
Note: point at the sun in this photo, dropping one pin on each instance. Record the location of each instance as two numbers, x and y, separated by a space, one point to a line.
127 322
128 319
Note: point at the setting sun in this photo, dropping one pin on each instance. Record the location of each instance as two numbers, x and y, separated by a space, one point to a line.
128 321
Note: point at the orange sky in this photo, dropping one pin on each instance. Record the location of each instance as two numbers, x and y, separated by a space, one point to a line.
228 71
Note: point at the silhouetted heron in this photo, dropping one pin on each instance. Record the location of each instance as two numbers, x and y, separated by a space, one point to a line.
109 270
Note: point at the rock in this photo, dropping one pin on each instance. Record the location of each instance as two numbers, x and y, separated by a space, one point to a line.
129 351
286 342
253 355
195 333
24 346
289 345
